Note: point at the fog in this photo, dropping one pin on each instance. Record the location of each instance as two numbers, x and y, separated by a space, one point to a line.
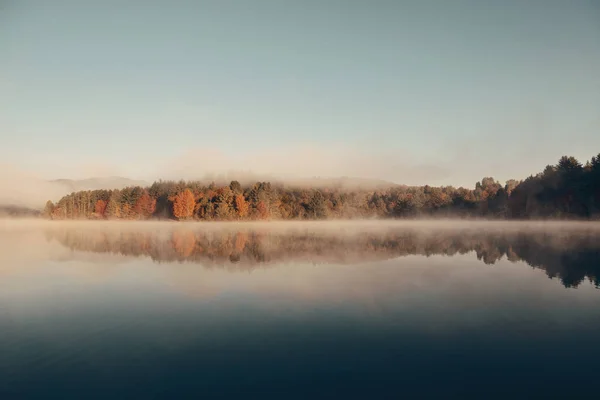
314 261
307 165
337 227
20 188
249 244
24 189
303 163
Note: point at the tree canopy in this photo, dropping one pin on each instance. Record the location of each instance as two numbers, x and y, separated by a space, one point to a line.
568 189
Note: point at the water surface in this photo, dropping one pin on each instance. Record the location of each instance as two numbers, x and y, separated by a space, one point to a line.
304 310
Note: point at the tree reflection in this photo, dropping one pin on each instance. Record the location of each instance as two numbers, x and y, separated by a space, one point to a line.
572 258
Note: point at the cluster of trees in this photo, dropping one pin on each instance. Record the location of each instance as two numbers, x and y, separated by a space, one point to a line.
572 259
565 190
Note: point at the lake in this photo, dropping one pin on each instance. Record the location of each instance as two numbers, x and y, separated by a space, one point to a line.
366 309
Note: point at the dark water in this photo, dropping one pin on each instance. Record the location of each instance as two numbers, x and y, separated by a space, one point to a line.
351 311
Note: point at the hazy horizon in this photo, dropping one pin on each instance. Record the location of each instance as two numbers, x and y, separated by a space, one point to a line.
21 189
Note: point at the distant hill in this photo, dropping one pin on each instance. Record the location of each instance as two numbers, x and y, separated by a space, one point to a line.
19 191
111 182
16 211
117 182
342 183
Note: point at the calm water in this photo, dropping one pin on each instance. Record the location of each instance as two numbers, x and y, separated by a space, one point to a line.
160 310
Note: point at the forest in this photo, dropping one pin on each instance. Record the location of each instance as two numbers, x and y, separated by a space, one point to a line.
568 189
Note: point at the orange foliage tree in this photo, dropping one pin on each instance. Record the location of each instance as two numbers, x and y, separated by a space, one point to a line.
126 211
263 211
59 213
241 206
145 206
100 208
183 204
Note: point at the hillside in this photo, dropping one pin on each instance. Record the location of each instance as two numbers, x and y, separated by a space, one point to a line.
17 212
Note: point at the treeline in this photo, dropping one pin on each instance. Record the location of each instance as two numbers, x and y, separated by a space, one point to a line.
572 259
565 190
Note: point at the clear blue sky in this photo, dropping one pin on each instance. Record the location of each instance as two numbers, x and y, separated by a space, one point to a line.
459 88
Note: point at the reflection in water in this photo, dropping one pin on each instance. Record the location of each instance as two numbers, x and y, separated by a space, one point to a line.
570 255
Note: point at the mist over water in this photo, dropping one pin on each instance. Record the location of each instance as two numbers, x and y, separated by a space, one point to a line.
308 309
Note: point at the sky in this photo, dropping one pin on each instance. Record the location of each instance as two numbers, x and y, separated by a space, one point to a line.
415 92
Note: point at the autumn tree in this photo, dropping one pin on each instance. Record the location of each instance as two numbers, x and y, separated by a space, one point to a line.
262 210
316 206
59 213
241 206
437 199
235 187
113 207
224 203
511 184
566 189
183 204
48 209
100 208
126 211
145 205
